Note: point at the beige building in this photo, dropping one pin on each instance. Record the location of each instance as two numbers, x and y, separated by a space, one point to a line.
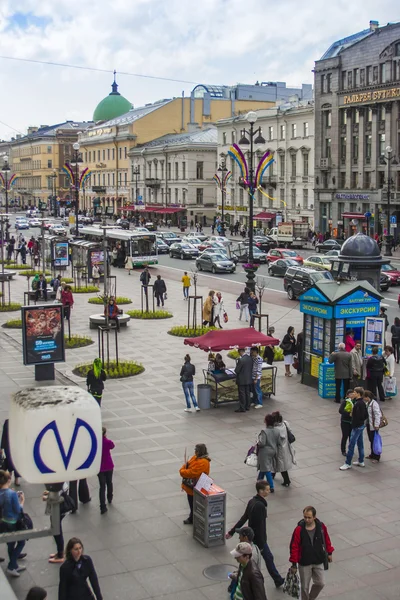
288 183
174 174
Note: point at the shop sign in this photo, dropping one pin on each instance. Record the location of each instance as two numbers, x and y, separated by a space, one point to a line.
43 334
101 131
352 197
315 362
368 96
341 312
313 295
325 312
356 322
358 297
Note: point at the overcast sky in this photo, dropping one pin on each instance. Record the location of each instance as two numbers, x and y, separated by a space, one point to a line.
202 41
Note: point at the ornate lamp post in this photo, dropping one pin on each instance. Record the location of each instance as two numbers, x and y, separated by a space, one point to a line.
76 159
135 174
6 169
54 191
387 159
221 179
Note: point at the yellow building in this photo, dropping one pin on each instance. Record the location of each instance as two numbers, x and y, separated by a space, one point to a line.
37 160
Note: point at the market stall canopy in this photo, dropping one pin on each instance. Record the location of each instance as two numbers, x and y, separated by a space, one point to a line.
231 338
265 216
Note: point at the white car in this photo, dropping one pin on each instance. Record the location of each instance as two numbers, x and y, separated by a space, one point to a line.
197 236
192 240
58 230
35 222
143 229
220 239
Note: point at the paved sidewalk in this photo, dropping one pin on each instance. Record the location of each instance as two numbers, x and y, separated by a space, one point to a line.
140 548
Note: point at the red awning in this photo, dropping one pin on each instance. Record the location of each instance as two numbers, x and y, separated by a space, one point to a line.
126 208
169 210
231 338
264 216
350 215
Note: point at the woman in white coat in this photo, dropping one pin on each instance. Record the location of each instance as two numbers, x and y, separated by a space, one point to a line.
219 309
285 457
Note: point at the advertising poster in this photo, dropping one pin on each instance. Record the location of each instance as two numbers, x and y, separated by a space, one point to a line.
43 334
61 254
96 258
374 334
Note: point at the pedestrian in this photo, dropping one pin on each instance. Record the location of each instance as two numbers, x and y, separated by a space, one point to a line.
253 307
36 593
219 365
256 516
95 380
145 278
349 341
208 309
373 422
359 416
395 331
249 579
343 370
219 309
79 489
268 442
357 364
186 285
8 464
243 300
256 375
375 369
246 534
284 458
106 473
114 256
55 284
67 300
288 345
111 312
159 289
95 274
299 350
384 316
310 550
66 505
389 370
269 355
75 571
41 289
22 251
190 472
11 505
186 376
244 379
345 411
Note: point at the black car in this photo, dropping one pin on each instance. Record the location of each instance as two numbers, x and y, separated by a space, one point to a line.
124 223
299 279
183 250
169 237
162 247
280 266
328 245
264 242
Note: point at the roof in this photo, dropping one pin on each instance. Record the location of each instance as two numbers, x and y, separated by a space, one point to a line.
112 106
228 339
202 136
334 291
134 114
345 43
51 130
264 216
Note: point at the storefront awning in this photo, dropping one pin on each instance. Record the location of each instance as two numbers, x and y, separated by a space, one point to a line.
169 210
350 215
265 216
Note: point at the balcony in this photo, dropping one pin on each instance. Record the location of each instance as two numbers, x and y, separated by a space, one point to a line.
152 182
325 164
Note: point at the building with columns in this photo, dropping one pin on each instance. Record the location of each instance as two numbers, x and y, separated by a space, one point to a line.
288 130
357 118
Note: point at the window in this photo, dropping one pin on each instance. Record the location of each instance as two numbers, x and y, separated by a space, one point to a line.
342 182
282 165
98 155
184 197
354 181
270 133
119 178
108 178
382 112
108 153
368 147
113 154
357 116
382 143
162 169
199 170
49 164
355 148
375 74
362 77
125 178
382 73
293 163
90 157
282 194
344 79
104 154
224 137
125 152
367 180
328 143
282 130
305 164
241 197
369 115
49 149
183 170
233 136
85 157
381 179
176 170
305 130
120 153
305 198
323 84
397 49
149 167
176 195
169 170
199 195
104 179
343 117
356 77
369 75
349 79
329 83
328 118
294 130
98 179
113 179
293 197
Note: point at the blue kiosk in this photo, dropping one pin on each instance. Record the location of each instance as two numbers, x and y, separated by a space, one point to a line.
330 310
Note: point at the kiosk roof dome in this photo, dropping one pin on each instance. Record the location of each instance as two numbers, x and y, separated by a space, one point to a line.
360 246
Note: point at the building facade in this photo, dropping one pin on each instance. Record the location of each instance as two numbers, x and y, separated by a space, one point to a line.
357 117
174 174
288 184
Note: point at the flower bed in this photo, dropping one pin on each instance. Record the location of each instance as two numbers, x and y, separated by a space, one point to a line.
13 306
278 353
119 300
183 331
158 314
13 324
77 341
30 273
125 368
89 289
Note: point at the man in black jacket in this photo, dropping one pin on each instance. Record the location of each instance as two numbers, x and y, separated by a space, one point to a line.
256 515
159 289
358 418
375 368
250 582
244 379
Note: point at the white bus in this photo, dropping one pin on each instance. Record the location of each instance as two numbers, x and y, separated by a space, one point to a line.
139 247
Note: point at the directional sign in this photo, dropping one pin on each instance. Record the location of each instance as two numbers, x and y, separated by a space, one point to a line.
393 219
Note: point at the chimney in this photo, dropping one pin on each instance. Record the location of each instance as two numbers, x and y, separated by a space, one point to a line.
373 25
32 130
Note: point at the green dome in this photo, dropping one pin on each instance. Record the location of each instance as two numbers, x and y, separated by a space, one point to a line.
112 106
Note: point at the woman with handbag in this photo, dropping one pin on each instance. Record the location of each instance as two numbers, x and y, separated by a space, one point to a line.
190 472
219 309
373 423
288 345
268 443
67 505
11 504
284 458
208 308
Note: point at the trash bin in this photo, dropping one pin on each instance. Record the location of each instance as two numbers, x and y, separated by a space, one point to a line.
204 396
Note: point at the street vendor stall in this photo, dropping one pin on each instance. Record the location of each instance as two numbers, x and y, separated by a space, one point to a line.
223 385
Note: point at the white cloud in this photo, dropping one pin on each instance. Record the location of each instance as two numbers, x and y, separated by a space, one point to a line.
211 41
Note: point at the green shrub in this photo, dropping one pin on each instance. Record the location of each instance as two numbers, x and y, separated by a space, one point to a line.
125 368
16 266
67 279
77 341
183 331
30 273
119 300
158 314
278 353
89 289
10 307
13 324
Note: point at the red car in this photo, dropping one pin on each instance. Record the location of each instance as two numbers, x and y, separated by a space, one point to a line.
277 253
392 273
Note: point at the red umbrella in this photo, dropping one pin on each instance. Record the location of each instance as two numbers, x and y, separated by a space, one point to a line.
231 338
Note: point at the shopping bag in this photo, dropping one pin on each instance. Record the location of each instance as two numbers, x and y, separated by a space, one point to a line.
390 386
252 460
292 584
237 304
377 443
225 317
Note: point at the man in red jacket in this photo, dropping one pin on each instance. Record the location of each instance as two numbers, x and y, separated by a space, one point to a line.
311 549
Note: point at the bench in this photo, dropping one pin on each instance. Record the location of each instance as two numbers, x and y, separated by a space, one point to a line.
96 320
51 294
7 275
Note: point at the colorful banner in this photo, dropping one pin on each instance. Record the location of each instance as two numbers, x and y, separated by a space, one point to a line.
43 334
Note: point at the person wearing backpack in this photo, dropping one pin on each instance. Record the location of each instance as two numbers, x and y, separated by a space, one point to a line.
345 410
11 505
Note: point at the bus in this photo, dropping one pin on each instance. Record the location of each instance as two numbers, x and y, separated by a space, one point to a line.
139 247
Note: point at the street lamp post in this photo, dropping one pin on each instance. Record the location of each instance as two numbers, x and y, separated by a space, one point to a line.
76 159
223 170
54 192
388 158
136 173
6 169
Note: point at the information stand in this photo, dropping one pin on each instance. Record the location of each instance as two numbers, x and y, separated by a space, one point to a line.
326 380
209 509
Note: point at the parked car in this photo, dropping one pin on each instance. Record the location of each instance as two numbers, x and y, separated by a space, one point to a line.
21 224
169 237
277 253
142 229
299 279
328 245
199 236
384 282
216 263
280 266
393 273
57 229
183 250
318 261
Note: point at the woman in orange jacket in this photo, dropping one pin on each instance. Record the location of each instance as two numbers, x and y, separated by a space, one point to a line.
190 473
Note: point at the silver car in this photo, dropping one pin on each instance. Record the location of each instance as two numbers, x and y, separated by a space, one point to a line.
216 263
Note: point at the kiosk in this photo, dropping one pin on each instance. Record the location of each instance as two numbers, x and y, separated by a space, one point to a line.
330 310
85 254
